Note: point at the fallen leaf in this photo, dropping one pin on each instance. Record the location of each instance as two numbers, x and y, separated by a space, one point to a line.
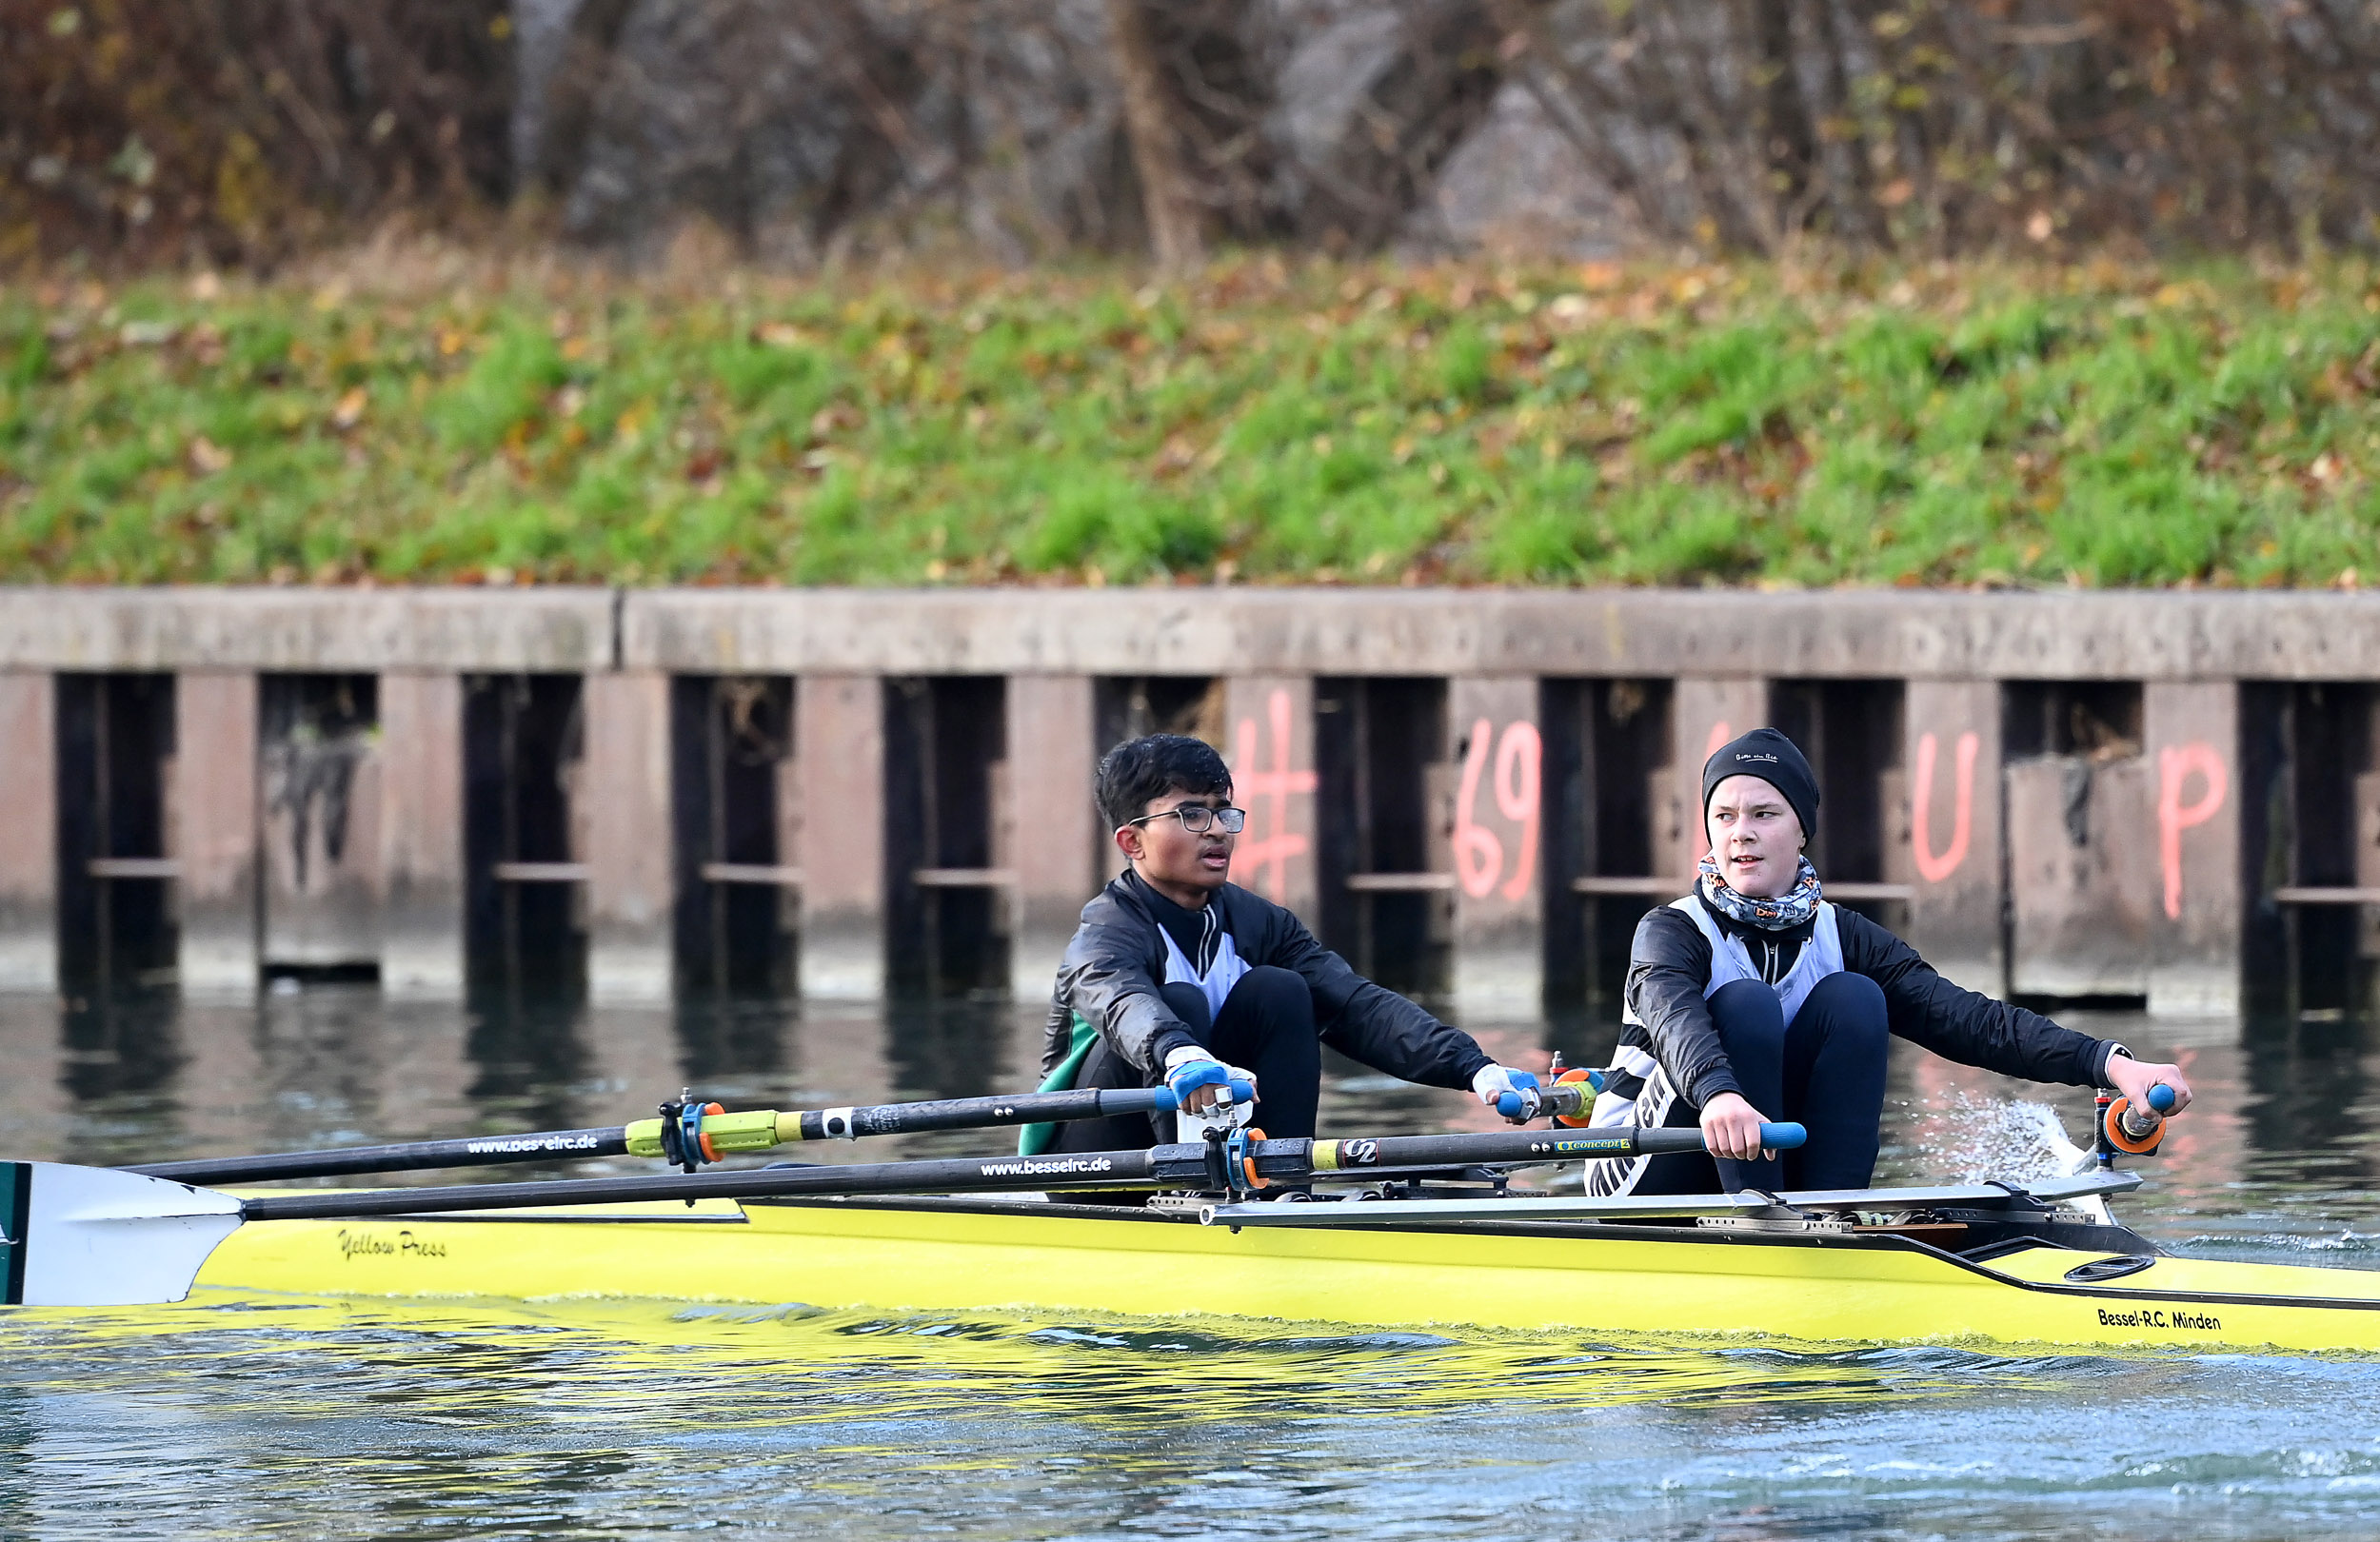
208 458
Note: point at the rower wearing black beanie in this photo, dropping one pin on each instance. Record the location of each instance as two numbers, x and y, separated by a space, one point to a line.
1754 998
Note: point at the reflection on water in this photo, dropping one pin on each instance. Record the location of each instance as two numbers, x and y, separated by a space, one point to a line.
241 1416
235 1416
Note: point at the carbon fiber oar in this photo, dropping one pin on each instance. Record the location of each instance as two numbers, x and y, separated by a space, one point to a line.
96 1236
699 1130
1243 1166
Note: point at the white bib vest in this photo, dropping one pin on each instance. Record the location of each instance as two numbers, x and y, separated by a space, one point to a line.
1220 978
1730 962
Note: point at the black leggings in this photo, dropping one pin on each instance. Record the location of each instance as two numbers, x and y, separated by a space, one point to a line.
1266 1027
1825 1071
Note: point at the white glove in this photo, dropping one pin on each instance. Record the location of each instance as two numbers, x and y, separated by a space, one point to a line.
1494 1083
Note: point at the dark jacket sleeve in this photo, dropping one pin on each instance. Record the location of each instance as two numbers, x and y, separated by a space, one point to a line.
1105 977
1058 1034
1669 965
1961 1025
1368 1022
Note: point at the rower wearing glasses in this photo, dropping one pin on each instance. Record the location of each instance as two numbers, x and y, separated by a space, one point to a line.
1178 977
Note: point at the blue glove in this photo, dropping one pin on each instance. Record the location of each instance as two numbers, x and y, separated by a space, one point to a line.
1188 1075
1187 1069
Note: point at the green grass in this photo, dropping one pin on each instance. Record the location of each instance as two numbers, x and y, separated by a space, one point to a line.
2101 425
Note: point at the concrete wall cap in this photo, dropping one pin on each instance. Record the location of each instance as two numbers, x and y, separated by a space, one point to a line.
427 629
1840 633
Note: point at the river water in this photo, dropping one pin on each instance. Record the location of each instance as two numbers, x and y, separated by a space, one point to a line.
264 1416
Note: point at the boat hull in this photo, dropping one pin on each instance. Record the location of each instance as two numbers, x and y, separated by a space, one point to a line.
1860 1289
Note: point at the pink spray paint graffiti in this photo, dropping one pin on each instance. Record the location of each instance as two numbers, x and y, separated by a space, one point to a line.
1932 867
1518 770
2176 764
1265 852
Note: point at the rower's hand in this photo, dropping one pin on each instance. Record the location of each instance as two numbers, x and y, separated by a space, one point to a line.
2135 1077
1199 1081
1730 1128
1495 1082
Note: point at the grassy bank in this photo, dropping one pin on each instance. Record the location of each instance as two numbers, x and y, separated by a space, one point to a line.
2101 425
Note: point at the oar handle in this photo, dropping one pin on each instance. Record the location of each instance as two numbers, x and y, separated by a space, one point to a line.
1560 1099
1665 1141
2141 1128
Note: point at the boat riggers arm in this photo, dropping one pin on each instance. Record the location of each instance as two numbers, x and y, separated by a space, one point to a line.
709 1134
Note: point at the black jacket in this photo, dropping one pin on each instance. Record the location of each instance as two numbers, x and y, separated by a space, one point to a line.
1670 967
1116 960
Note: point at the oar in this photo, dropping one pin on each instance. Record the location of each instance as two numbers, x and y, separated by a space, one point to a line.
98 1237
700 1131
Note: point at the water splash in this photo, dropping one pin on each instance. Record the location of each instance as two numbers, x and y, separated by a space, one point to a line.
1973 1138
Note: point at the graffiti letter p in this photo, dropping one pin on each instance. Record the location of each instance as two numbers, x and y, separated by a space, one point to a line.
2175 766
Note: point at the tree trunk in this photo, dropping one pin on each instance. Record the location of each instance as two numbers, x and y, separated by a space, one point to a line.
1177 225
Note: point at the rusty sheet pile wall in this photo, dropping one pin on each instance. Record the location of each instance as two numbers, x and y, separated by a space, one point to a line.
2171 798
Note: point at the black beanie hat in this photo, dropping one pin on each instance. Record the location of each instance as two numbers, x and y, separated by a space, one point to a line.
1771 756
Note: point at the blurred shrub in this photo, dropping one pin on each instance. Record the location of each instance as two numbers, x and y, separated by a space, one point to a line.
242 130
1953 124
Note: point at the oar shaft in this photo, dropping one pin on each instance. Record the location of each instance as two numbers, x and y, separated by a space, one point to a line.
1506 1147
959 1175
973 1113
730 1133
412 1156
1276 1161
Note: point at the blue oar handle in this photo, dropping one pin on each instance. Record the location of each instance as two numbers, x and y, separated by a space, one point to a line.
1566 1098
1164 1101
1515 1105
1666 1139
2140 1122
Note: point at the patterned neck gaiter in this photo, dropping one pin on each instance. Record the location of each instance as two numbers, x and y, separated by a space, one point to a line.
1787 910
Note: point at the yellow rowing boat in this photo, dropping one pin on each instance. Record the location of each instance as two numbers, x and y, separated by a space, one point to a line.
1397 1230
1879 1269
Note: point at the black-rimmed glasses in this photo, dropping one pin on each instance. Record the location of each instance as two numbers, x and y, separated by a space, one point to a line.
1198 819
